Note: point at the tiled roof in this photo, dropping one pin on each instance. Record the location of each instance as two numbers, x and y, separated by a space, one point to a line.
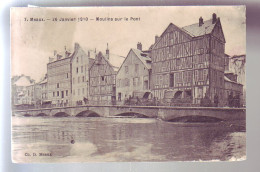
143 57
195 30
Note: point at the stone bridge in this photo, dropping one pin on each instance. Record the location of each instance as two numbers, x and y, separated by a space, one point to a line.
161 112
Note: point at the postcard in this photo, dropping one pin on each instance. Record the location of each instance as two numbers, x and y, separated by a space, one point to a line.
128 84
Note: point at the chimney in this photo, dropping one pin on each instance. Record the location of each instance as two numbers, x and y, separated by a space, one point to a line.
107 52
76 46
214 18
201 21
139 46
156 38
55 52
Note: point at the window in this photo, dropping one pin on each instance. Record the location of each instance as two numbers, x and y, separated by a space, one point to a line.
200 75
78 79
196 75
146 85
83 78
118 82
77 70
178 62
53 94
102 78
171 79
58 85
126 82
205 74
81 69
67 75
83 91
58 93
67 92
62 94
136 68
77 59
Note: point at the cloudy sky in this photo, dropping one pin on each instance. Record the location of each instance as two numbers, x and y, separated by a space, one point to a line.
32 43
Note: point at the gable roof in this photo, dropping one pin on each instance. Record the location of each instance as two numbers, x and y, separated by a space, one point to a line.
23 81
195 30
115 61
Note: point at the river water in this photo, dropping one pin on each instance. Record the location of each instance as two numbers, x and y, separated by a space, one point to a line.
74 139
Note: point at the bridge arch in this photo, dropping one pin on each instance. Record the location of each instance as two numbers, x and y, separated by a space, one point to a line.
41 114
88 113
195 119
132 114
61 114
27 115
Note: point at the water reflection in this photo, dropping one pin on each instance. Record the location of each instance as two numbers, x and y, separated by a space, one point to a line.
124 139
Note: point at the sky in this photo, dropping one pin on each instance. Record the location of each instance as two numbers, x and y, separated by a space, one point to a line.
32 43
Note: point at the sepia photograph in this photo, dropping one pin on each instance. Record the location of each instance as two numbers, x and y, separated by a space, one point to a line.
128 84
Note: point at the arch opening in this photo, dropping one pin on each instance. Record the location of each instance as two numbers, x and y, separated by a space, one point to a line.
88 113
27 115
61 114
41 114
196 119
132 115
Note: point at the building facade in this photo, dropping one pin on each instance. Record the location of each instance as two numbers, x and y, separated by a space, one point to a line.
133 76
235 79
102 77
81 61
188 62
59 79
22 90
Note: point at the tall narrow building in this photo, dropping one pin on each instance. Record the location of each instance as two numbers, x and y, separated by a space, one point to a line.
81 61
59 79
102 74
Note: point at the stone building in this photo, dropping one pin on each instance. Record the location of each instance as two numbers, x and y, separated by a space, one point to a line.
102 77
188 62
81 60
59 79
235 79
133 76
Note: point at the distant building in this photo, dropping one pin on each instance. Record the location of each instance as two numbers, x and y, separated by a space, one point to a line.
102 73
81 60
235 74
59 78
22 90
188 62
43 91
133 76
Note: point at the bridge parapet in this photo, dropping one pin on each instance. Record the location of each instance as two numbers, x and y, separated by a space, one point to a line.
162 112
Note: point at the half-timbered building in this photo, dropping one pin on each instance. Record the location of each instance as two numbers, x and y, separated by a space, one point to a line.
188 62
102 78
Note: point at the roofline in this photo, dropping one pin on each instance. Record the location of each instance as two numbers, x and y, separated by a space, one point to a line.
171 24
59 60
127 56
105 60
